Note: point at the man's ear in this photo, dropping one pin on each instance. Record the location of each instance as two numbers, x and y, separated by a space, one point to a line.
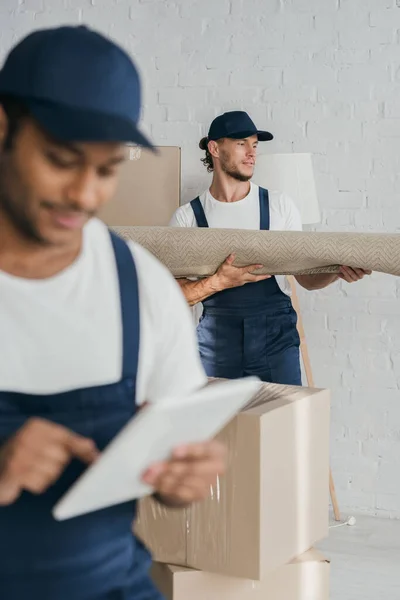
213 148
3 126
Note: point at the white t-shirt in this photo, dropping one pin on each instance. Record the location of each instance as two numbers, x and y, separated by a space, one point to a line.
244 214
65 332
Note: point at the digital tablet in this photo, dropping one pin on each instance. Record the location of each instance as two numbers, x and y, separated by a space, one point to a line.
150 437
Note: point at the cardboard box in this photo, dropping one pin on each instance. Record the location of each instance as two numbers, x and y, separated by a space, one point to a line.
306 578
272 504
148 191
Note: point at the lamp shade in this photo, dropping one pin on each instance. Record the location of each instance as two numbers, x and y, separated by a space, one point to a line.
292 174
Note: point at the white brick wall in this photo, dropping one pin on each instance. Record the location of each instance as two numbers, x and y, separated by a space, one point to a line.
325 73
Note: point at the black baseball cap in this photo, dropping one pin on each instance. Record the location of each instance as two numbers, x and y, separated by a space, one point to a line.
236 124
78 84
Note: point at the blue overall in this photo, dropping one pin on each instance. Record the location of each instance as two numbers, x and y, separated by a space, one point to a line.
251 329
94 556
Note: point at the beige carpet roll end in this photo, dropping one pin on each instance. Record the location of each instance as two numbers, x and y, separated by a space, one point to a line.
198 252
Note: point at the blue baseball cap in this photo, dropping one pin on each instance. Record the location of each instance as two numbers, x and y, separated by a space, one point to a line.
77 84
236 124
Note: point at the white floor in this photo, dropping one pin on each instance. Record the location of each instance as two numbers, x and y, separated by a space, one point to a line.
365 560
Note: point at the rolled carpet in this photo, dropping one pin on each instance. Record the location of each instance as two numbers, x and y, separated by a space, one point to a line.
198 252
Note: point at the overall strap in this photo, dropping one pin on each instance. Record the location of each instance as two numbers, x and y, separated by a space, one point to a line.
264 209
199 213
129 298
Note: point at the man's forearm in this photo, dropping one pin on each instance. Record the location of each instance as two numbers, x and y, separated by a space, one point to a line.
197 291
316 282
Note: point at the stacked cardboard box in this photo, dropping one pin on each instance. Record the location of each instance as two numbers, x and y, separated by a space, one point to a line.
256 529
306 578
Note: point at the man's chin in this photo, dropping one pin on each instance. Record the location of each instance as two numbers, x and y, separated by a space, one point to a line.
242 176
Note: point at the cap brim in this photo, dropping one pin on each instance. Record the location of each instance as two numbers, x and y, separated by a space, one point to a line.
263 136
72 125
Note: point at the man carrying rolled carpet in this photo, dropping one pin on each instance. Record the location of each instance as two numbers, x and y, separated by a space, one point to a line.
248 324
90 327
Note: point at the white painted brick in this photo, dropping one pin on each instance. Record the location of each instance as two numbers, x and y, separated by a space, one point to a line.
388 451
347 448
229 62
99 3
384 307
335 218
174 133
33 5
361 500
342 306
369 324
350 179
384 18
384 55
330 377
368 219
102 16
313 321
257 77
368 110
199 35
355 6
328 357
252 36
349 200
376 285
359 73
391 219
337 109
241 7
384 200
340 21
306 36
367 37
275 57
183 96
201 9
385 93
340 322
306 93
371 362
347 342
388 503
391 110
376 186
308 74
203 77
153 114
385 478
204 115
328 189
177 113
356 92
383 128
385 379
51 18
366 482
314 6
305 111
334 129
225 95
76 3
165 78
351 55
320 339
286 130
